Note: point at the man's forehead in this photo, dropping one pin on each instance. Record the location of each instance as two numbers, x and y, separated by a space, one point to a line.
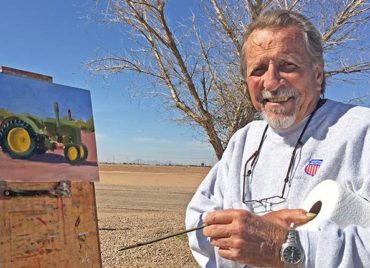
268 38
286 41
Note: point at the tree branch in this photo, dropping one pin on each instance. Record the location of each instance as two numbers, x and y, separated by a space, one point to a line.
228 29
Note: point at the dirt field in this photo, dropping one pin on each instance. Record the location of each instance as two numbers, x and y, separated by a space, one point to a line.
140 203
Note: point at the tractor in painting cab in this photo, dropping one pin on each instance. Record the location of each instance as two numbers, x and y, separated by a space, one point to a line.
22 136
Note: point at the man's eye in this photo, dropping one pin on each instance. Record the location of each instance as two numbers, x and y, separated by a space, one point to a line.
288 67
258 71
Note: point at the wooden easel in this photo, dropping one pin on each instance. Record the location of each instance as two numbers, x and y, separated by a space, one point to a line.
48 224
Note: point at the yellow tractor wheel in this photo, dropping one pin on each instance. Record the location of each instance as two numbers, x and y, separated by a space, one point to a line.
18 139
83 152
72 153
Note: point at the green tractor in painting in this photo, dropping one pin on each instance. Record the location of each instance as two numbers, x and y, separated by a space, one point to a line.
22 136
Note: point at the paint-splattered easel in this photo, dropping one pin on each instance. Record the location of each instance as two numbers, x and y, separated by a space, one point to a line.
50 221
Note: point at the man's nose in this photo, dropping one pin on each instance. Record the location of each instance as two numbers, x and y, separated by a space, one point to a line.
271 78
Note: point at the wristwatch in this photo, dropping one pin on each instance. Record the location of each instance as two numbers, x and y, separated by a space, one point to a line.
291 252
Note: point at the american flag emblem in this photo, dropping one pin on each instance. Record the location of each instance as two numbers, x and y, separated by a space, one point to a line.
312 166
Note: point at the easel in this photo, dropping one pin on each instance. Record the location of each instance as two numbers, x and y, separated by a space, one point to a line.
48 224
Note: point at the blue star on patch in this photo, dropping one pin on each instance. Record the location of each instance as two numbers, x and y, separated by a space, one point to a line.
312 166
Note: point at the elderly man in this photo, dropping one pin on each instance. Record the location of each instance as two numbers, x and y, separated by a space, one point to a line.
250 199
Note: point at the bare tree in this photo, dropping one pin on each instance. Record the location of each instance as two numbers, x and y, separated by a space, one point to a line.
193 65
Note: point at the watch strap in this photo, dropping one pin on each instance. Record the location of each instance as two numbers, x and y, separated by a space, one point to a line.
292 240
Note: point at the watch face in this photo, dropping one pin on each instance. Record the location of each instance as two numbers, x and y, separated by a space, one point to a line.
292 255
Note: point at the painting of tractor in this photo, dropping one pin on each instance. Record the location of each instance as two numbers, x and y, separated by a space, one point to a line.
22 136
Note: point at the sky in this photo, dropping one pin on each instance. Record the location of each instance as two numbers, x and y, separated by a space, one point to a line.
57 38
21 95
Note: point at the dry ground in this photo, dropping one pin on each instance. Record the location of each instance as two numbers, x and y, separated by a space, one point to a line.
139 203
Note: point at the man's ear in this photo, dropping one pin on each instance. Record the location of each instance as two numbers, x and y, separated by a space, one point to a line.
245 88
319 74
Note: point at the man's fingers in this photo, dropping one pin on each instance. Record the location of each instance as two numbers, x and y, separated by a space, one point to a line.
217 231
285 217
222 243
229 248
231 254
311 216
228 243
217 217
224 223
223 216
298 216
244 237
308 217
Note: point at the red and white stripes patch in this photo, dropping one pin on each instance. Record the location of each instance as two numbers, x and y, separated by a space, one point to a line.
312 166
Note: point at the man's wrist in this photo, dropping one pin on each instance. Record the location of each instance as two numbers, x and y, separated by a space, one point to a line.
292 254
280 240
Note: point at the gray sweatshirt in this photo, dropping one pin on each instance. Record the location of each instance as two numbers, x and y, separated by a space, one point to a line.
335 146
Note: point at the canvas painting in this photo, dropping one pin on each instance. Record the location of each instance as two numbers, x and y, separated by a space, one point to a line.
46 132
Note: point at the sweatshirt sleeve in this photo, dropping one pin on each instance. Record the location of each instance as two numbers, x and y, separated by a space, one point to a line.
210 196
207 198
335 247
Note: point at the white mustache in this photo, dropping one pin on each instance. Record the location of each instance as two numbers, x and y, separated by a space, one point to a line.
280 93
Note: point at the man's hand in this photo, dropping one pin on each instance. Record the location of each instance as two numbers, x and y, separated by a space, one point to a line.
285 217
249 239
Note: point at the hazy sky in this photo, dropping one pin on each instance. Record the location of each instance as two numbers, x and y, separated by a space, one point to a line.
56 38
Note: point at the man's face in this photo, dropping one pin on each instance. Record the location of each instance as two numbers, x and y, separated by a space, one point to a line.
283 82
